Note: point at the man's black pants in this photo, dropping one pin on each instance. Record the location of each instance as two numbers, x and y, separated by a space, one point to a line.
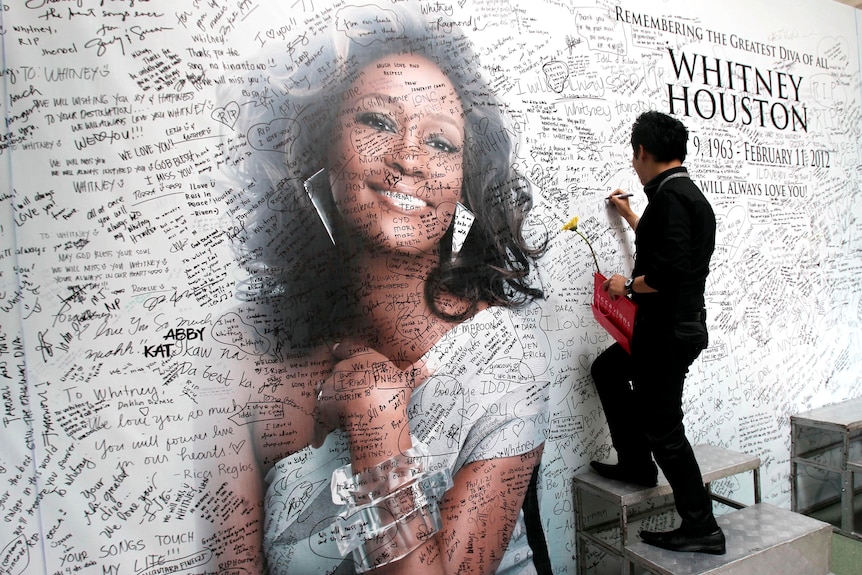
642 398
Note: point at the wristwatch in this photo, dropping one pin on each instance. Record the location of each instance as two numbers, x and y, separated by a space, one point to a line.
630 286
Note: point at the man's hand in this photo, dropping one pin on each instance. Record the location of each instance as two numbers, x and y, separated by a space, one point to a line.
619 199
615 286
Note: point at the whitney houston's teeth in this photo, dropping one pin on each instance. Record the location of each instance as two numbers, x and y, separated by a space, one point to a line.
403 201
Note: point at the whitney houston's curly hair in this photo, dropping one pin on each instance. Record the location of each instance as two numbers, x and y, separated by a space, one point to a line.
293 267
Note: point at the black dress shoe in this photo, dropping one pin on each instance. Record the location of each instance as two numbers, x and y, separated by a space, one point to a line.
646 476
678 540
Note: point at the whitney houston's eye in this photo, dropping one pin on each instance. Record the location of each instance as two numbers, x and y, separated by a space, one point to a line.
377 121
440 142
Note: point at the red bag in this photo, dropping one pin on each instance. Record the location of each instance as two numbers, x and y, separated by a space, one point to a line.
616 316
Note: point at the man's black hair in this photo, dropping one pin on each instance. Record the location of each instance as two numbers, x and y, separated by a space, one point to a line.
661 135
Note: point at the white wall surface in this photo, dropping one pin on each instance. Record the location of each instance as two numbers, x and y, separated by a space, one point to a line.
114 119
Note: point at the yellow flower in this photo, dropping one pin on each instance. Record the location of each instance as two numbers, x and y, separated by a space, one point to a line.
572 225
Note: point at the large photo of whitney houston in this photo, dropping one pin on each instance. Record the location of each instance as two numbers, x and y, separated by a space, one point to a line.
390 282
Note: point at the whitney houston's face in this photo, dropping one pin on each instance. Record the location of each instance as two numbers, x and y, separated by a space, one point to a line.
396 161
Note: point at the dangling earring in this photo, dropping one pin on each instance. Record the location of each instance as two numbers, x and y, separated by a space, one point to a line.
320 192
461 224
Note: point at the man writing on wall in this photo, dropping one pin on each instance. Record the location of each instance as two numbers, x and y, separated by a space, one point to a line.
642 393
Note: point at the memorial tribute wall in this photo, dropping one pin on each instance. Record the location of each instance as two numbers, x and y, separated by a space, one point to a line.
129 376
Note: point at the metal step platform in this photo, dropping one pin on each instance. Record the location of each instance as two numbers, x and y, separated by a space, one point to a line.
761 539
605 509
826 465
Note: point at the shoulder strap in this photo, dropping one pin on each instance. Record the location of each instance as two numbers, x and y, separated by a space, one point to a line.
670 177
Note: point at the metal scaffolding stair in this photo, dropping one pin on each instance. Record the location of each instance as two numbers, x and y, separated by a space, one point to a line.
761 538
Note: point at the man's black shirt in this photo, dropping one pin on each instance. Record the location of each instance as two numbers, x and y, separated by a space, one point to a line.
675 239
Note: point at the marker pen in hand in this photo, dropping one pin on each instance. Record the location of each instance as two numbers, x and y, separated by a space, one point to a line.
620 196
